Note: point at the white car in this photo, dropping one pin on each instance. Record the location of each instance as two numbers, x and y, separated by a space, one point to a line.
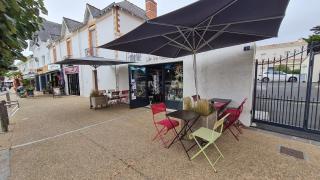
278 76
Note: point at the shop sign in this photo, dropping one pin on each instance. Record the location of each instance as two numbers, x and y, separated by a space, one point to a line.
71 70
53 67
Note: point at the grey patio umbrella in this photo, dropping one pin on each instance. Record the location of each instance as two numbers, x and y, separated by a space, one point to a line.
93 61
202 26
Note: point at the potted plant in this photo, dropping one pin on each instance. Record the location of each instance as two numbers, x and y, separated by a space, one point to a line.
97 99
30 90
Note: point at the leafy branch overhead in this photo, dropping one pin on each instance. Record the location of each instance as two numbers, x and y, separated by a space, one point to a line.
19 19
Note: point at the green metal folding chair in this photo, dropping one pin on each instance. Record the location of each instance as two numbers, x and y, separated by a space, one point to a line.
210 136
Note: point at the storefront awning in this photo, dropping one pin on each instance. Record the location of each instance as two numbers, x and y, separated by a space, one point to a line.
94 62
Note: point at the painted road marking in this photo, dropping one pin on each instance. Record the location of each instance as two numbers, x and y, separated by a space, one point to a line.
63 134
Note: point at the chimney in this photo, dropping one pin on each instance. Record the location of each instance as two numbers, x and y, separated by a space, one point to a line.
151 9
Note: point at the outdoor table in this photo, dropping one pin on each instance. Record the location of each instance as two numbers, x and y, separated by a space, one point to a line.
220 104
189 118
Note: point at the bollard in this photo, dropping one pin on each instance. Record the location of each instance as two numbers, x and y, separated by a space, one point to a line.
4 118
8 98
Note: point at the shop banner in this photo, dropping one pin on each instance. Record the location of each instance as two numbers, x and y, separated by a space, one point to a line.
53 67
71 70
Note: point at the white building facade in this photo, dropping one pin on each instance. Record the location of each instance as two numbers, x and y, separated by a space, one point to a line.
221 74
80 39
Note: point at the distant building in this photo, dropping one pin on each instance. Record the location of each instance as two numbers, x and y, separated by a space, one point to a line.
282 50
28 68
41 60
289 53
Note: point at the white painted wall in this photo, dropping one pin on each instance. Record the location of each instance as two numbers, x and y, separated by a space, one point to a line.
39 52
223 73
105 33
316 68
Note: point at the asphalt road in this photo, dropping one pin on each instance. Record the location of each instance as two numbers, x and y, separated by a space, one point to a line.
287 90
284 103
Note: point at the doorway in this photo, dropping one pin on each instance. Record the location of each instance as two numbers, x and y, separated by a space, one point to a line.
73 84
156 83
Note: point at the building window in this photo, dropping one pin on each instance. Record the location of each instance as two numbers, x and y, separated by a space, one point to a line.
69 47
54 52
92 41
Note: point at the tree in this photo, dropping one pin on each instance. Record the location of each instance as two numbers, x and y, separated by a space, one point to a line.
316 30
19 19
315 37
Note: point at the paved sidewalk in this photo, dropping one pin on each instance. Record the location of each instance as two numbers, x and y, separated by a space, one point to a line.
4 164
62 138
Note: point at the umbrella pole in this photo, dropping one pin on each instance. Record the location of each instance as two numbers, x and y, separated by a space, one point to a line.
95 79
195 74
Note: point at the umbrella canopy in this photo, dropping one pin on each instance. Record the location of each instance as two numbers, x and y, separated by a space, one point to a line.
204 25
94 62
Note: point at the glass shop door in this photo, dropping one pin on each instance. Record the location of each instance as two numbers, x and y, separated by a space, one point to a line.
138 86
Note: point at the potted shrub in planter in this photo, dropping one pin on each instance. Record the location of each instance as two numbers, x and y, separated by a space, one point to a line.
208 115
97 99
30 91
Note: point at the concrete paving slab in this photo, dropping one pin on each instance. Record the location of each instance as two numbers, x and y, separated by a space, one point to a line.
122 148
4 164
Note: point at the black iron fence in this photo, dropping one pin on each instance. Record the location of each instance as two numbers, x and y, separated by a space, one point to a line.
286 93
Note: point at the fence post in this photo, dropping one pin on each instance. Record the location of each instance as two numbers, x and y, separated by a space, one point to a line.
253 113
309 87
4 118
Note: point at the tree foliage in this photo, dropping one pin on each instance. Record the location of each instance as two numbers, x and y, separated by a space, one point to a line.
315 37
316 30
286 69
19 19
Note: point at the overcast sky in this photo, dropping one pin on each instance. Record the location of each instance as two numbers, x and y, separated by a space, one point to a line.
301 15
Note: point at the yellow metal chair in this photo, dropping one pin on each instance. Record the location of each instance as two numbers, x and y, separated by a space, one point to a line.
210 136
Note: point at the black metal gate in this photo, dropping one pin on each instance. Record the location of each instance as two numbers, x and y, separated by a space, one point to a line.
73 84
287 92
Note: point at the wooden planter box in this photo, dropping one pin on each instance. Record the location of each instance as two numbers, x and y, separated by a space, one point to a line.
99 101
204 121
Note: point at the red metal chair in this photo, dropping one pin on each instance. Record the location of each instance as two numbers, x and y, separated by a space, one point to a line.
233 119
124 97
165 124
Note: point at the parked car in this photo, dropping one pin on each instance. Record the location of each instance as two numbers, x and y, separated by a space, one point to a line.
278 76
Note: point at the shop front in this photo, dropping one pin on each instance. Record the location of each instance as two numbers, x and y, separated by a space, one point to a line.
156 83
72 76
48 77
